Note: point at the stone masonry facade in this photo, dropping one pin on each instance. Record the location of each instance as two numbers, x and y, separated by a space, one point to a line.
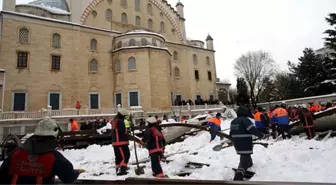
97 61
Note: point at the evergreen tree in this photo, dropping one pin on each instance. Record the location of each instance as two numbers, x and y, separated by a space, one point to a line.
330 61
242 90
309 72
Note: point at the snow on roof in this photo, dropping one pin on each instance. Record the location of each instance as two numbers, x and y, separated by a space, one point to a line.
143 32
147 46
50 9
59 21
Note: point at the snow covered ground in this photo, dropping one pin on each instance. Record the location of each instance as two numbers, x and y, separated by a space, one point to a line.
290 160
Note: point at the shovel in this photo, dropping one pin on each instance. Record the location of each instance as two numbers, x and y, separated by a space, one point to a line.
139 170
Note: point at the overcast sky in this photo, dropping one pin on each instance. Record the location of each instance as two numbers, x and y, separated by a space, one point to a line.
282 27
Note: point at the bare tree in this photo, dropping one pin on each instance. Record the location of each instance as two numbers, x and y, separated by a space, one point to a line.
255 67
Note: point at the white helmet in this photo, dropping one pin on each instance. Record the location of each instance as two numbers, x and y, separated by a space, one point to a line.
296 106
46 127
150 120
304 106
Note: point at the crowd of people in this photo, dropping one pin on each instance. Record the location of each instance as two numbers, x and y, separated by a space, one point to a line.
37 162
276 119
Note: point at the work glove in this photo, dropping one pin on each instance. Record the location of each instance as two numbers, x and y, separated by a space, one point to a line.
80 171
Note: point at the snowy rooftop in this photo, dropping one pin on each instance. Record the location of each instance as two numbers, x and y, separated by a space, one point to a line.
53 10
143 32
60 4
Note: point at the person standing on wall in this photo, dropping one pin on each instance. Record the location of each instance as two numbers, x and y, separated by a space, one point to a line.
241 131
37 162
120 142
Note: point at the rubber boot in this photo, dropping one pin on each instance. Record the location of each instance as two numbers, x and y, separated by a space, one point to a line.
122 171
239 176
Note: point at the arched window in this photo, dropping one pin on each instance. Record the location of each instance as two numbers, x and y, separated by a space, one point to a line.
208 61
108 15
175 56
162 27
124 17
150 24
123 3
117 66
195 59
131 64
137 21
176 72
56 40
93 45
154 42
94 13
131 42
137 5
93 66
149 9
119 44
23 35
144 42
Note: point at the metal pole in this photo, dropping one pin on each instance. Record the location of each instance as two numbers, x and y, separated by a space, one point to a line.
3 92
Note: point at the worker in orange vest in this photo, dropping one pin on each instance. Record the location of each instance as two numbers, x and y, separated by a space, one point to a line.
215 123
74 125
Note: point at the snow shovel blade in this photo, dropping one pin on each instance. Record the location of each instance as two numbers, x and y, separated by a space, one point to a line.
139 170
218 147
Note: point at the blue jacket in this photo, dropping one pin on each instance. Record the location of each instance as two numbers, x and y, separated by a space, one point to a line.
241 131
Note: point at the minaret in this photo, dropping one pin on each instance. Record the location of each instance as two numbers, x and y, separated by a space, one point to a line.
209 42
180 10
8 5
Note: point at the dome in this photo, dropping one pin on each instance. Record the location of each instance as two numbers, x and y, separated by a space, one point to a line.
60 4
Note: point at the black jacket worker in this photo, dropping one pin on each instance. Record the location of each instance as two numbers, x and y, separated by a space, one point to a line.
37 162
241 132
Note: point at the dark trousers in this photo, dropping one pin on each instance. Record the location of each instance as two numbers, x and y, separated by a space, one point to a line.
310 132
244 163
156 166
122 155
274 130
263 130
284 131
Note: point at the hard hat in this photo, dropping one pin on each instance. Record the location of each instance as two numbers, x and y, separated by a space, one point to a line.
304 106
296 106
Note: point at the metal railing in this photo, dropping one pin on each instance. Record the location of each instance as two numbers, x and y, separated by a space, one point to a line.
177 110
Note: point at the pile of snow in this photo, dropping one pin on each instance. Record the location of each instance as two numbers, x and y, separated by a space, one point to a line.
296 160
290 160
